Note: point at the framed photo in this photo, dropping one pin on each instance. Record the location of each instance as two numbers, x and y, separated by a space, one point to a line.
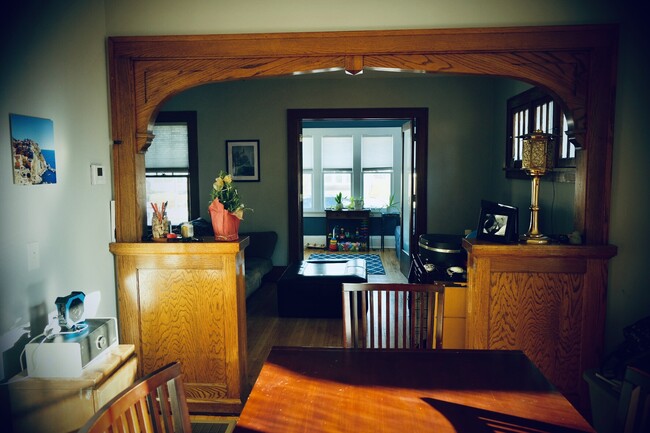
498 223
32 148
243 160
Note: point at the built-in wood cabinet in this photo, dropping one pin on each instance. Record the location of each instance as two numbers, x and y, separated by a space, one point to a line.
547 300
186 302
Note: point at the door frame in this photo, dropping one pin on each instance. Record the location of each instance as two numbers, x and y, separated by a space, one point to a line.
295 117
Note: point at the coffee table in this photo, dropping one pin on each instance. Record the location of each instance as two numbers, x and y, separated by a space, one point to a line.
312 288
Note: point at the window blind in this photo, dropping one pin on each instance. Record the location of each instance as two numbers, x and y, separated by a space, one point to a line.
169 149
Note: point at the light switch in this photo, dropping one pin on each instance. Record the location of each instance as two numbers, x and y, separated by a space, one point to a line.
97 175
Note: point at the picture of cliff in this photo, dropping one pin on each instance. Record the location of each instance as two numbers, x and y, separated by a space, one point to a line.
32 145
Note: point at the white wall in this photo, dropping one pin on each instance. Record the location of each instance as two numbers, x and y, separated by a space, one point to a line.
54 67
152 17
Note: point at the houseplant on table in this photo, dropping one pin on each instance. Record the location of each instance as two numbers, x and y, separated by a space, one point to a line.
338 201
391 206
226 208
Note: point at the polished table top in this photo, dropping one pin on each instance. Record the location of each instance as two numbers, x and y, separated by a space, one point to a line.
341 390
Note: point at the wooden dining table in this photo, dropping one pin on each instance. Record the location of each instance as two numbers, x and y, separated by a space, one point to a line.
303 389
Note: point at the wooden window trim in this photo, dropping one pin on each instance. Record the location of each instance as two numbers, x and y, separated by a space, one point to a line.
564 170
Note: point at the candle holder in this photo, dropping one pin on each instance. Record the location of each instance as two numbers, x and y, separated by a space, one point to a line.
537 160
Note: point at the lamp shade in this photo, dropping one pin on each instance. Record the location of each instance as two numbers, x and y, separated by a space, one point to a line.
537 154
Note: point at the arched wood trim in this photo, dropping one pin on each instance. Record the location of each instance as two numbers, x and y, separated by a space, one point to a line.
575 63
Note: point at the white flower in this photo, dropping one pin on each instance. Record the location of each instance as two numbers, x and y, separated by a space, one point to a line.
225 192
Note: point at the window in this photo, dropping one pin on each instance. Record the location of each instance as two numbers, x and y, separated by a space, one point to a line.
377 169
337 165
530 111
171 166
357 162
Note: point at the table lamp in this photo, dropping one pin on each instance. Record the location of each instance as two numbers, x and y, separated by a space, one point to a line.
537 160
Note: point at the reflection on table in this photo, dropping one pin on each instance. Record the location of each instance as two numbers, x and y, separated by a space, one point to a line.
341 390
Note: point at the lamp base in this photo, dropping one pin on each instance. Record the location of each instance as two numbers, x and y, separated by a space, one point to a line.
537 239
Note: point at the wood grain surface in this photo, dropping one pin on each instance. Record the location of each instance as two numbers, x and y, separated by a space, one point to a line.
185 302
350 390
546 300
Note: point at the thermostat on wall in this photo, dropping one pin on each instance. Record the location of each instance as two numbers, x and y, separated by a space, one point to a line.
97 175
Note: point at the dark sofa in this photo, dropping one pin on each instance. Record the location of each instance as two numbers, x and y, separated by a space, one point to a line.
257 254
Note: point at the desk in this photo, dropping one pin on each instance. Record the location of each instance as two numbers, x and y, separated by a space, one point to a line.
61 405
345 390
386 219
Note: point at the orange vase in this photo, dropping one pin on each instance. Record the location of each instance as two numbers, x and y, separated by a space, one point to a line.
224 223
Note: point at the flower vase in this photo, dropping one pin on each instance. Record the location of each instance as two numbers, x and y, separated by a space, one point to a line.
224 223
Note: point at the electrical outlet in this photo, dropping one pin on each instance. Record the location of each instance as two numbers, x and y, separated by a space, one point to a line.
33 256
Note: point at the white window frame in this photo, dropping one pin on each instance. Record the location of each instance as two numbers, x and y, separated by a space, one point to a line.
356 171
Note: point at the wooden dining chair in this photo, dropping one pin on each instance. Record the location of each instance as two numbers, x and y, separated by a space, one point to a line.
393 316
634 404
153 404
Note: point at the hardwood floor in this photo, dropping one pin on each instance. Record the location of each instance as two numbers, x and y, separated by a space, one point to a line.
266 329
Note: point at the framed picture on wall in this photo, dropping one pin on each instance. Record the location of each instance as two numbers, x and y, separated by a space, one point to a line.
32 148
243 160
498 223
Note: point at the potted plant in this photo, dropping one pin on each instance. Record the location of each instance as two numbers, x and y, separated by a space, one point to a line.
391 206
226 208
338 200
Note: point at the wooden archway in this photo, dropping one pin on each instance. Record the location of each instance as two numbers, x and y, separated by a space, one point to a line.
575 63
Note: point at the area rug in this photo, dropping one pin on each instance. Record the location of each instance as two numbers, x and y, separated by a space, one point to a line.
374 266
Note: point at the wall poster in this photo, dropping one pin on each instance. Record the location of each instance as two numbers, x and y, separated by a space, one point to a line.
32 149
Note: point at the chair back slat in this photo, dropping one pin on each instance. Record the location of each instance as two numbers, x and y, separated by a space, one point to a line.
153 404
393 316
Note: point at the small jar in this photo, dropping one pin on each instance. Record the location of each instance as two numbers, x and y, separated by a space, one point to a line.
187 230
159 229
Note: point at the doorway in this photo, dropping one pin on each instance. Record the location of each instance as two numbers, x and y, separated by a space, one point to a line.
414 166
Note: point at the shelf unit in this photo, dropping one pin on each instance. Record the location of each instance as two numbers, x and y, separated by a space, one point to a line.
356 229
